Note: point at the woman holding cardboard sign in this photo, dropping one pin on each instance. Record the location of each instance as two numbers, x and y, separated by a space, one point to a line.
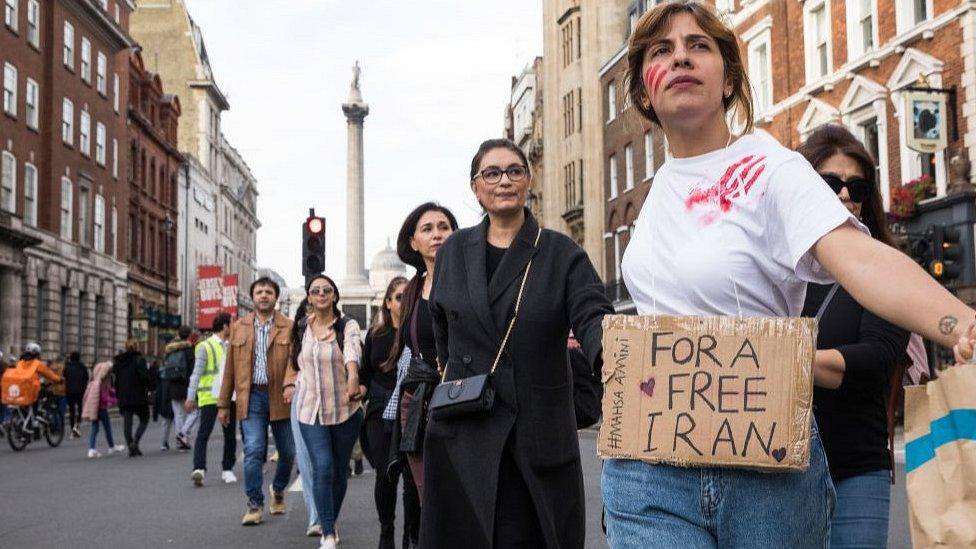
501 457
738 225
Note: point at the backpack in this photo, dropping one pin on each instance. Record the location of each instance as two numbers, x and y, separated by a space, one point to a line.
175 366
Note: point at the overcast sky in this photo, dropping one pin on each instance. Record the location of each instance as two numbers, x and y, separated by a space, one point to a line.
436 75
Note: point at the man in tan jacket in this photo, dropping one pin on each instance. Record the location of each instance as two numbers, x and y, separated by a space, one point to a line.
256 363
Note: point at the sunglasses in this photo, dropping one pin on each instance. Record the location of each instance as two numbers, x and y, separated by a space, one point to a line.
320 291
858 188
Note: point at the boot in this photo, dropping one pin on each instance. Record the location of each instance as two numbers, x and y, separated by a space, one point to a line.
387 537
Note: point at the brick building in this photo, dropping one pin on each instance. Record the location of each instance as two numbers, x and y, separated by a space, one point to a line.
813 62
152 172
62 135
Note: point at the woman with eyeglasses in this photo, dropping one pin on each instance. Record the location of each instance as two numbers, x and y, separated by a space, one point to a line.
860 350
506 294
324 380
380 378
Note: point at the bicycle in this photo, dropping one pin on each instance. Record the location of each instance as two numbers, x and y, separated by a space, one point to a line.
24 425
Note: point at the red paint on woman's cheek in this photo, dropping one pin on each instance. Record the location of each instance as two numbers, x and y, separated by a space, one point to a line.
649 77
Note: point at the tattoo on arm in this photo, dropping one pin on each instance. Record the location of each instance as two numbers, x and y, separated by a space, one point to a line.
948 325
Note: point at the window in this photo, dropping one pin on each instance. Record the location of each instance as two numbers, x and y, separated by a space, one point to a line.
817 37
569 114
10 89
569 37
66 207
84 133
629 166
101 82
30 195
115 158
8 182
648 155
115 232
115 91
10 14
613 176
85 60
99 224
870 137
34 23
611 100
69 46
860 27
33 100
100 144
67 121
760 71
83 221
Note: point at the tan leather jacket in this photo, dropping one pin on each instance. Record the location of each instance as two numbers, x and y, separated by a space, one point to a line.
240 361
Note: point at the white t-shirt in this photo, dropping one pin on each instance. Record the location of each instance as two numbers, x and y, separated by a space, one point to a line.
731 231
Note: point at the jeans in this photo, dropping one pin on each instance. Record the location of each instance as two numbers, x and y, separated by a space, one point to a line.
861 516
716 507
254 431
330 447
208 418
304 466
185 422
103 419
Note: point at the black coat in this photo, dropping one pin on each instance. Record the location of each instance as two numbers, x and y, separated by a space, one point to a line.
533 409
75 377
131 379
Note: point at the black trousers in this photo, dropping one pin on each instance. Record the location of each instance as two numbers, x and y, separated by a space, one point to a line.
208 417
143 413
74 407
378 435
516 521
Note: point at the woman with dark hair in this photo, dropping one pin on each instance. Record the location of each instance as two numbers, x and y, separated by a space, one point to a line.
132 388
860 350
380 376
738 225
324 382
422 234
506 294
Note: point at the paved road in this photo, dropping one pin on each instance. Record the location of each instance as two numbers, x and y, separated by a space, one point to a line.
59 498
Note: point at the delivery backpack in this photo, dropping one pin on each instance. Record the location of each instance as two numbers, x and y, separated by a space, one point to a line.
20 384
175 366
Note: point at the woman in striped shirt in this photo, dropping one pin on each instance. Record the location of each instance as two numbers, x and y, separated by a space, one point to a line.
328 400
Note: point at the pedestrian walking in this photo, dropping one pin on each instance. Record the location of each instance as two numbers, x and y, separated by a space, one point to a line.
380 377
863 351
58 388
75 381
202 395
421 236
161 407
98 398
327 351
303 460
505 295
256 364
738 225
132 390
175 375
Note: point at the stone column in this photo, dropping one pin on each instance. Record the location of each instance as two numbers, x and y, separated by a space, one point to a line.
356 111
10 303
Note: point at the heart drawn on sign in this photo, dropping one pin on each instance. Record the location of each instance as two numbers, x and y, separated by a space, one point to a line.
647 387
779 454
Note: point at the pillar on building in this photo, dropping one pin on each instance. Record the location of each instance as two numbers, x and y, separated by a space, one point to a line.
11 297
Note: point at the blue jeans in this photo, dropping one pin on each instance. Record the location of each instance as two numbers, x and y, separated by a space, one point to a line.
254 431
103 419
304 466
330 448
715 507
861 517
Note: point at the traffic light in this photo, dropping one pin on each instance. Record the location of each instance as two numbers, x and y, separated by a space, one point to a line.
313 245
946 254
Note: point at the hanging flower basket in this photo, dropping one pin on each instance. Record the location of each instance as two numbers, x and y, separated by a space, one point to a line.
905 198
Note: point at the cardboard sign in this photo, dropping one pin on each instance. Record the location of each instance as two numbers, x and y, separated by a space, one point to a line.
708 391
210 294
229 302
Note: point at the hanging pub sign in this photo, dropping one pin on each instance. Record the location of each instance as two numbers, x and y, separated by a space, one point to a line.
139 328
927 123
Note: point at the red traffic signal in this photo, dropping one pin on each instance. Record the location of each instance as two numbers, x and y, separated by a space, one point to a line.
313 245
315 225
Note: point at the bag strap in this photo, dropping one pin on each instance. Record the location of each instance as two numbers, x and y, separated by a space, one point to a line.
511 323
413 325
826 301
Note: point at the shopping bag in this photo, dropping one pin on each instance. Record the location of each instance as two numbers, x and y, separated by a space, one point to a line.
940 459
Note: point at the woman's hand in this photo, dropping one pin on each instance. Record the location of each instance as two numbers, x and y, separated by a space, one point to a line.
352 387
963 350
288 393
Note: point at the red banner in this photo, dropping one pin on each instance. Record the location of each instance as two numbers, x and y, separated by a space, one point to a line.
210 294
230 295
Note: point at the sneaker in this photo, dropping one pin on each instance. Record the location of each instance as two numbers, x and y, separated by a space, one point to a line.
314 531
252 517
164 447
328 542
75 432
116 449
277 506
228 477
197 477
182 442
94 454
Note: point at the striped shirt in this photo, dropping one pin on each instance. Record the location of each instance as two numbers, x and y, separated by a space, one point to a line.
320 390
259 374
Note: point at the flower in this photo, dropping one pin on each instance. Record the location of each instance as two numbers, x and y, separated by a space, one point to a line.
905 198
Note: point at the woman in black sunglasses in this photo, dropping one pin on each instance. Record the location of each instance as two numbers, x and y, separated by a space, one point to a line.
862 349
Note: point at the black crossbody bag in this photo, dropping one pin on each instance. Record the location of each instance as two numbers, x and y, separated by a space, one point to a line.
474 394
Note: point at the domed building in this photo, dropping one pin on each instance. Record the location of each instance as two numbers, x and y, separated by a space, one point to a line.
385 267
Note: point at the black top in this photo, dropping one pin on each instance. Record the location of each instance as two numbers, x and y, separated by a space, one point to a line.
75 377
131 379
424 335
376 350
853 418
494 258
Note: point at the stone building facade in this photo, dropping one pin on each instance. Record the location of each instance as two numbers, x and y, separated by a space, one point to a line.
523 125
196 231
62 136
237 220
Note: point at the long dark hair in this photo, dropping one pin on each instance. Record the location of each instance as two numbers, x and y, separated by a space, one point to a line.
831 139
383 320
298 330
414 290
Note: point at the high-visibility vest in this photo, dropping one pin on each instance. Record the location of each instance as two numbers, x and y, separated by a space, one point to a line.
215 357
